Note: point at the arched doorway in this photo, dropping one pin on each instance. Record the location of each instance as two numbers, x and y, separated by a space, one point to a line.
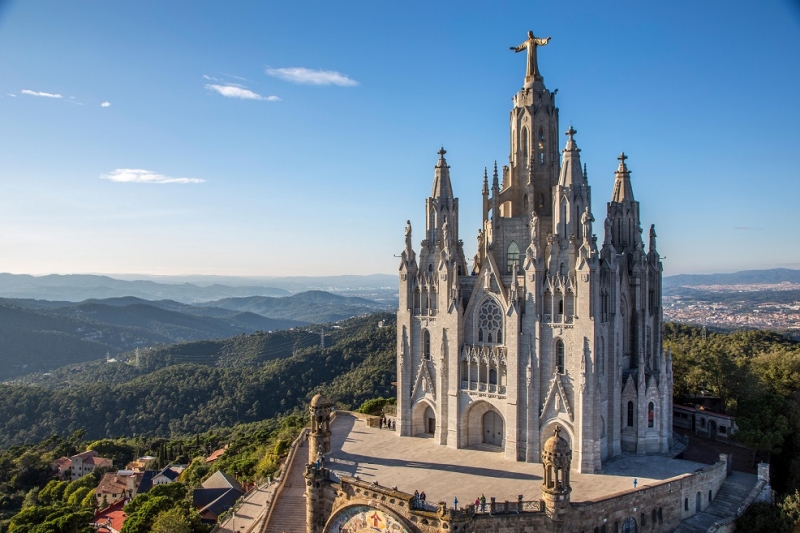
430 421
697 498
629 526
492 428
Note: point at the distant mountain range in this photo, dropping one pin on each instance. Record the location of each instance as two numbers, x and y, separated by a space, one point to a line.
39 335
187 289
775 275
311 306
79 287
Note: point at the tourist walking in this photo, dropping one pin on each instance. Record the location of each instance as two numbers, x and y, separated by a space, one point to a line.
483 503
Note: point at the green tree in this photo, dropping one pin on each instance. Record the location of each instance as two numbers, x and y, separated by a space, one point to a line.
142 519
762 517
171 521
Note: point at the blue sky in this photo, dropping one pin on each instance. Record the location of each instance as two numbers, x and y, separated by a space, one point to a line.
296 138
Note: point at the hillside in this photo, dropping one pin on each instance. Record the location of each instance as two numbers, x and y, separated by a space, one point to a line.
311 306
193 387
749 277
40 336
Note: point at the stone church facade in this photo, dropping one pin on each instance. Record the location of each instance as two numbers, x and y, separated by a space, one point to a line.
546 326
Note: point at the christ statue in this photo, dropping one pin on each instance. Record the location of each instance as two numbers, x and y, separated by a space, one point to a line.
530 45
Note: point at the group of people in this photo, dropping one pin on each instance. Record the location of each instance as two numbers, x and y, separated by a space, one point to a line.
385 422
419 499
480 503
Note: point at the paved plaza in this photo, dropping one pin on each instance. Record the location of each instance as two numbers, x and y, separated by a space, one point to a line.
415 463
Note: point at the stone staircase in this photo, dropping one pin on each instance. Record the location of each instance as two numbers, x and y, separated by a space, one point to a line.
725 505
289 513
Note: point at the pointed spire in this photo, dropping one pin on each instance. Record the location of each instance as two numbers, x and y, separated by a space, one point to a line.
571 173
495 182
441 178
622 185
485 181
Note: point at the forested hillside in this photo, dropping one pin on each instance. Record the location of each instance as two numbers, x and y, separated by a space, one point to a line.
757 375
193 387
41 335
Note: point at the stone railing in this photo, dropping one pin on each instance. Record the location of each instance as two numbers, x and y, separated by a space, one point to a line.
548 318
491 388
494 507
285 470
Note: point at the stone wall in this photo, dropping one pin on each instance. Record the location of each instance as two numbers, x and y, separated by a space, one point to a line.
658 507
666 502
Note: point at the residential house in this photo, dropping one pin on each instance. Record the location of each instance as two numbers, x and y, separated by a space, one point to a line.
110 519
167 475
79 465
217 454
114 487
216 495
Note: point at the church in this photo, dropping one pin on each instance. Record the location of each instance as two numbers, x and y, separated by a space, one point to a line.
547 326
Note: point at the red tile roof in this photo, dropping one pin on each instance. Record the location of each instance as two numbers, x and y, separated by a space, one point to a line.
112 516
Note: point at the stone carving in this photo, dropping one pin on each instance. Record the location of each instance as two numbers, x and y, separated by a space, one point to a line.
534 228
607 236
652 237
446 234
530 45
586 222
408 235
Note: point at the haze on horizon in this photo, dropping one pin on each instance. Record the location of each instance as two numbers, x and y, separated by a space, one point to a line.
199 138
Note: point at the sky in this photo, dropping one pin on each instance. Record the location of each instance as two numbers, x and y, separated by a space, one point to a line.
295 138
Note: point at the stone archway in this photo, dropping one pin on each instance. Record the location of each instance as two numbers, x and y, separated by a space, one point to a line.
493 429
358 518
478 419
423 419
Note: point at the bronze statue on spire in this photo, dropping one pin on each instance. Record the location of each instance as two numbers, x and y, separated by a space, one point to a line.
530 44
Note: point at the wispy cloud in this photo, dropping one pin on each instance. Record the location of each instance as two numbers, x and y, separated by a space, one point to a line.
134 175
12 95
105 104
39 93
312 77
234 91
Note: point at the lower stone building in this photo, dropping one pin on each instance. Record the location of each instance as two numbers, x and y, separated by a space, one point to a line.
337 503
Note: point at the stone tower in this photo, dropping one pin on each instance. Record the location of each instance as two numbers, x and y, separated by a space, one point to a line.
546 328
319 436
556 460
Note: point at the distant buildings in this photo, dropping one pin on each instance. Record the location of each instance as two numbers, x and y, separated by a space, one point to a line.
79 465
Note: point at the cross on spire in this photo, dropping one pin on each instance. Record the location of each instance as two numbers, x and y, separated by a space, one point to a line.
571 132
622 157
441 152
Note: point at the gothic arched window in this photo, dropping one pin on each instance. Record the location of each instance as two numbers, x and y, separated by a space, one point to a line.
426 344
525 147
630 414
490 321
560 356
512 256
651 415
541 146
